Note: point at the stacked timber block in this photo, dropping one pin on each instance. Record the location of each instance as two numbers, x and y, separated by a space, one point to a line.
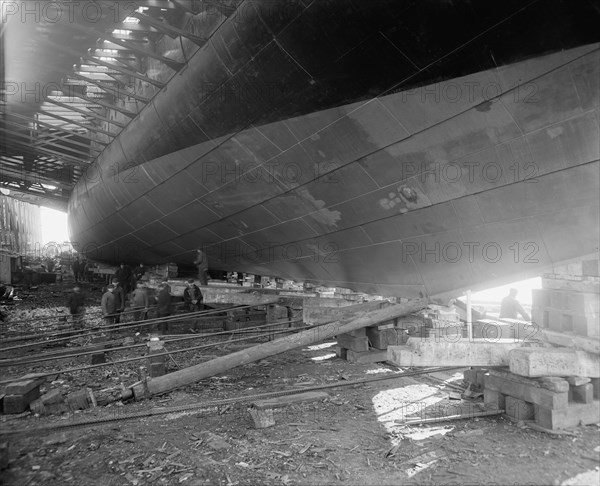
49 403
156 364
262 411
20 394
553 402
370 344
569 302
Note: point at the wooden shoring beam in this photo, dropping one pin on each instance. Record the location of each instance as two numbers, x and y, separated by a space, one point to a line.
187 376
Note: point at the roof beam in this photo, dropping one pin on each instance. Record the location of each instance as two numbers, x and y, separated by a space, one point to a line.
86 113
24 149
175 65
122 70
118 93
93 129
168 29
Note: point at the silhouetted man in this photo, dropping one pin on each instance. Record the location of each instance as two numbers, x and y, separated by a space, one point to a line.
510 307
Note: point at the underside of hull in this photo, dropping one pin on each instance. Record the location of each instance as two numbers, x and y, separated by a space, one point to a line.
394 184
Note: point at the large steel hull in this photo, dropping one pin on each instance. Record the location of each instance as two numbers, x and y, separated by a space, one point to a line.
394 184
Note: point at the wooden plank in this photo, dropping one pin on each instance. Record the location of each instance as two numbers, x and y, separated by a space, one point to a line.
286 400
528 393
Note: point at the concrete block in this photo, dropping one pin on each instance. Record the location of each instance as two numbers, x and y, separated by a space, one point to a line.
20 403
517 410
340 352
574 415
353 343
596 384
461 352
527 392
367 356
535 362
21 387
582 394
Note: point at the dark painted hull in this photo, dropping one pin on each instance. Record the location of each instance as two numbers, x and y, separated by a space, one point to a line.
381 153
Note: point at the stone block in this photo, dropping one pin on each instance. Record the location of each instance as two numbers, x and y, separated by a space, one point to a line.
340 352
582 394
536 362
21 387
364 357
574 415
517 410
20 403
527 392
353 343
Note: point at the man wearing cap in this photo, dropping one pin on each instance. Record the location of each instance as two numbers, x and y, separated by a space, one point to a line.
201 262
192 297
109 305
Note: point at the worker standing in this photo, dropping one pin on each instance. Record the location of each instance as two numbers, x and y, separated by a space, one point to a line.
510 307
109 305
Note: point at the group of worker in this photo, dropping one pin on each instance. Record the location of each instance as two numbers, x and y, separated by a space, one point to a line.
83 271
127 287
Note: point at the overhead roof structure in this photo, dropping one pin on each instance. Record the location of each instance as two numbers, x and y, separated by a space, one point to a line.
67 69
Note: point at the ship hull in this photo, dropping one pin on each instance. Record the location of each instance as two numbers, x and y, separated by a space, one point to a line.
431 189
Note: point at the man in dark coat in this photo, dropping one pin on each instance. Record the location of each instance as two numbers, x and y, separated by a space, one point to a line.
139 272
163 306
510 307
76 305
125 276
109 305
192 297
120 299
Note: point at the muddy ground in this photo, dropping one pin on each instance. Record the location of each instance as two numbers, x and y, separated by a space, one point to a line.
355 436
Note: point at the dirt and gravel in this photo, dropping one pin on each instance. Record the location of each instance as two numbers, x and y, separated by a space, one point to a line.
355 436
